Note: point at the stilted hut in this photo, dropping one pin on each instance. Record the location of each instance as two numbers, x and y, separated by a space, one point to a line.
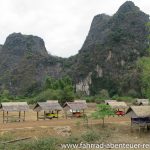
119 107
9 107
75 109
140 116
142 102
49 109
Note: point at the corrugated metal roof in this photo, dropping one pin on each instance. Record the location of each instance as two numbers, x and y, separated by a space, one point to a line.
14 106
47 106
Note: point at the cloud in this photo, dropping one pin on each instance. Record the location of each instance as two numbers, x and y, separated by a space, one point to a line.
63 24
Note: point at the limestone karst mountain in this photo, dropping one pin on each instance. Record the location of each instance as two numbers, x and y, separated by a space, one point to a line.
106 60
25 63
108 56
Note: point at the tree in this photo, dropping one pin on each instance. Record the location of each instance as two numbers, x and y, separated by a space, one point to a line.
144 68
102 111
62 88
104 93
143 65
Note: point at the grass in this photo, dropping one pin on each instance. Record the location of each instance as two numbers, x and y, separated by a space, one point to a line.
53 143
49 143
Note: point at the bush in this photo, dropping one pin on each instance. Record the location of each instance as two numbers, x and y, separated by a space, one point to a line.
104 94
48 94
89 98
123 98
41 144
91 136
133 93
73 140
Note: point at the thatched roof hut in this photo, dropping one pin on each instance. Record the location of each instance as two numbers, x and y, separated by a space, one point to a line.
52 101
14 106
50 106
138 111
79 100
75 105
140 115
47 106
108 101
75 108
142 102
117 105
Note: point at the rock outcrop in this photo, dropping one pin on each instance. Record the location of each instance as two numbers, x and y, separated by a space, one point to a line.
111 49
25 63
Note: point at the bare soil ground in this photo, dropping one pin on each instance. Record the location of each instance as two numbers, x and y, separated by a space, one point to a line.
119 128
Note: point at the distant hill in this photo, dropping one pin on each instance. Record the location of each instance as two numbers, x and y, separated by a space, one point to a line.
106 60
108 55
25 63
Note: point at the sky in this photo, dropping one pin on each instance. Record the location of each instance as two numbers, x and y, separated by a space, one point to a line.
62 24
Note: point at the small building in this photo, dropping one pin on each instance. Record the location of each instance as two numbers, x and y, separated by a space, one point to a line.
140 115
49 109
9 107
119 107
143 102
109 101
79 100
75 109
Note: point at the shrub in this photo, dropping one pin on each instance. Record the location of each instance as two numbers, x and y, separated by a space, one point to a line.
124 98
73 140
41 144
91 136
48 94
104 94
132 93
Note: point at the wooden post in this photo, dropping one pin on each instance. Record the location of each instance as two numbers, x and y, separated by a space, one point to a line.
44 115
131 125
37 116
24 116
3 116
57 114
139 130
19 115
124 111
7 116
66 114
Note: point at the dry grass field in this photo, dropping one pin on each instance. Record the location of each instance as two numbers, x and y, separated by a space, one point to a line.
117 129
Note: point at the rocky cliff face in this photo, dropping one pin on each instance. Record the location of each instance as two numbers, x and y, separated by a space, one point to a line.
25 63
113 45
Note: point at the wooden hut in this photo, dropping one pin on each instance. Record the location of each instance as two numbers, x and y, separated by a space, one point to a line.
143 102
119 107
19 107
109 101
50 109
75 109
79 100
140 115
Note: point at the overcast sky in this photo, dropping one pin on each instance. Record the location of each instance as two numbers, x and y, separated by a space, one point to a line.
63 24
